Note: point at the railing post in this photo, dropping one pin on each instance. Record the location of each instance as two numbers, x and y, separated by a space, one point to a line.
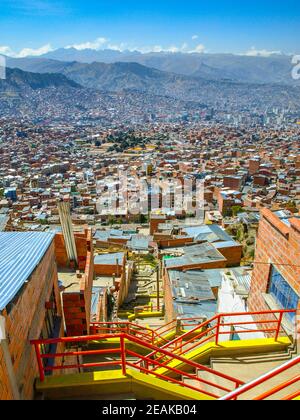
40 362
218 330
178 326
279 326
146 365
123 355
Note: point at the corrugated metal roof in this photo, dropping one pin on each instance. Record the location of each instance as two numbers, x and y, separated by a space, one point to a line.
192 293
227 244
139 242
111 234
196 254
207 233
109 259
3 220
243 276
20 254
96 294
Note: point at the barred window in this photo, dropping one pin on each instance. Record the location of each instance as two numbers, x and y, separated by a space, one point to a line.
282 292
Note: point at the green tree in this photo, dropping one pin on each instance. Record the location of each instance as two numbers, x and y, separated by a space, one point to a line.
236 210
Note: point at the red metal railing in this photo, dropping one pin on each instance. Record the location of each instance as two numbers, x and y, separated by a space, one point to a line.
265 378
124 362
139 331
212 330
148 334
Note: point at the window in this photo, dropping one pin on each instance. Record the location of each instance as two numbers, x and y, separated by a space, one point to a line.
282 292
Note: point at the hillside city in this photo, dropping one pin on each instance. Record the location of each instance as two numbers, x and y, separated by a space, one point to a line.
149 224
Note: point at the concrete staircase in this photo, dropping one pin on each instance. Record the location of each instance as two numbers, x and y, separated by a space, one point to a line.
250 368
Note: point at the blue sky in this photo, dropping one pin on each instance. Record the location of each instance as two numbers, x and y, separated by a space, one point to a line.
236 26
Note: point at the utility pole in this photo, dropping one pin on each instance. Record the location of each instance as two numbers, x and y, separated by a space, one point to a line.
7 359
158 287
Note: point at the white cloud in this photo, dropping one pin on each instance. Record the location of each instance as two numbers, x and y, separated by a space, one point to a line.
5 50
92 45
101 43
253 52
34 52
25 52
200 48
194 37
117 47
159 48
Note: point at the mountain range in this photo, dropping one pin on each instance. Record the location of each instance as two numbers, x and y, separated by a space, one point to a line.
241 68
205 87
17 80
121 76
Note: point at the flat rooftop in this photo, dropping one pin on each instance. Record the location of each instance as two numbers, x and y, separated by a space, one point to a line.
69 280
109 259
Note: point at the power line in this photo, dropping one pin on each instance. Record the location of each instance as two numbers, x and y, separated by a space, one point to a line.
272 263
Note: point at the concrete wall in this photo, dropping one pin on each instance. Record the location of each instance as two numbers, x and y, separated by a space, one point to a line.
168 298
125 283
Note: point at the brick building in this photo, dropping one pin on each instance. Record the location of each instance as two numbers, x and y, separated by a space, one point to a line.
76 283
254 165
233 182
276 276
29 305
227 199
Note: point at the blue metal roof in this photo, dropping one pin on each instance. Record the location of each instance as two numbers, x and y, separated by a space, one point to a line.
139 242
207 233
20 254
104 235
109 259
226 244
196 254
3 220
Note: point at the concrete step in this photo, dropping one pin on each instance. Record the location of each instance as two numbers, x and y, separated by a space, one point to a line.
205 387
215 380
258 358
249 371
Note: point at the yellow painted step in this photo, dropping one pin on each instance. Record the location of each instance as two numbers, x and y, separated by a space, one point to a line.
204 353
114 382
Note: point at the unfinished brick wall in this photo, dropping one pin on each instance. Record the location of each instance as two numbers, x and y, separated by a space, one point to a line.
276 244
87 287
108 270
77 305
26 319
203 266
232 254
83 241
154 222
172 242
5 389
60 251
75 314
